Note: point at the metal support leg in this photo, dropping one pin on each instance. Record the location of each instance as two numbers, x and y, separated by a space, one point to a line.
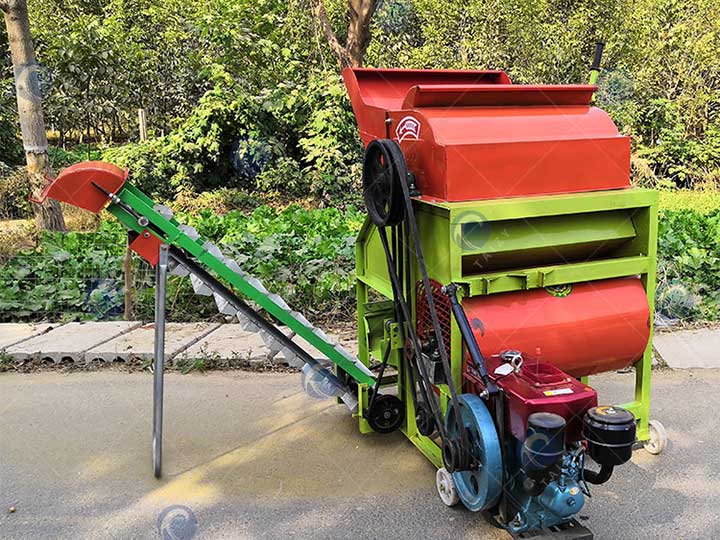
159 361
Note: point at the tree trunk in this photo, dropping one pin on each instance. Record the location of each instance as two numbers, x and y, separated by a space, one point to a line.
358 36
29 99
360 14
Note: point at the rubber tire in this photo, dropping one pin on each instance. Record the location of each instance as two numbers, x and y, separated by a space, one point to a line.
658 438
445 486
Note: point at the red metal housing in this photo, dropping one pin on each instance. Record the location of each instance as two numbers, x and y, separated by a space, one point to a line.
598 326
74 185
469 135
147 245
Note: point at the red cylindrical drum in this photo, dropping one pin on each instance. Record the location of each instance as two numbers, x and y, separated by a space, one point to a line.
582 329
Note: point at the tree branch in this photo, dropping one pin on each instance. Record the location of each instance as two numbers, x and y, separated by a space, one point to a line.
338 50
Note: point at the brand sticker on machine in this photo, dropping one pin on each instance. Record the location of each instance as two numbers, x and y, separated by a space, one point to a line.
408 128
558 392
559 291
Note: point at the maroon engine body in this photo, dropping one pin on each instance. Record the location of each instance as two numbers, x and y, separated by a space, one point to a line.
537 387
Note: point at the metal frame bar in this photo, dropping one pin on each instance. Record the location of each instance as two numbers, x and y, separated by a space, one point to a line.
168 231
161 270
441 224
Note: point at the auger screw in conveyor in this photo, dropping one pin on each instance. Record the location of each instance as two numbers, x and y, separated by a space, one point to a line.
503 245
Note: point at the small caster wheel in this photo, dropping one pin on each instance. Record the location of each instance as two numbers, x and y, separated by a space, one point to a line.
446 487
658 438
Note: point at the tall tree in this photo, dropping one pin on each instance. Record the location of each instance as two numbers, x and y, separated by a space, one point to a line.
29 100
360 14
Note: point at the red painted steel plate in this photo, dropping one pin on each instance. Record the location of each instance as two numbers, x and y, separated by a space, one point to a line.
74 185
373 92
147 245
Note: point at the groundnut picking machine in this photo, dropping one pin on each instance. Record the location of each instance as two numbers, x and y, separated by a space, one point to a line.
504 259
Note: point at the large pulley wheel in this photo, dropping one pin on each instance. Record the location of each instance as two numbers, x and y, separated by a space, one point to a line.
386 414
384 169
479 486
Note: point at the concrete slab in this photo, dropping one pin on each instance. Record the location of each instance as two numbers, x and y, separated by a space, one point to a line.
70 340
689 348
14 333
228 342
139 343
349 344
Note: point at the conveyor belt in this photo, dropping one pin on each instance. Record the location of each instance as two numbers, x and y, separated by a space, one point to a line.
214 274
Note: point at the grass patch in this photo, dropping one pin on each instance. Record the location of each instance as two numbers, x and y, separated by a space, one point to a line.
703 201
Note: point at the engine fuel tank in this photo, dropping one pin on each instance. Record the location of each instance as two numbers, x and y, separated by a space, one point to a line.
582 329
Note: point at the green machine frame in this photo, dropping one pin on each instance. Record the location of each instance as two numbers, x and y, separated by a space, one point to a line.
540 241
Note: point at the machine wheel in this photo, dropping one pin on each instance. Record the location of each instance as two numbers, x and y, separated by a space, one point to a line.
658 438
446 487
387 414
479 487
382 174
424 420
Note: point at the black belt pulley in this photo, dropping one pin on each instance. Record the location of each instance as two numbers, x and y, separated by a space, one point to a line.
389 204
381 188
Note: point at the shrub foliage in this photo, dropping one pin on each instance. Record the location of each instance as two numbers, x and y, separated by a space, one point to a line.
307 256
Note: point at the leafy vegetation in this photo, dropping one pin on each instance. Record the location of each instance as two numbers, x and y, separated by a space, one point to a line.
245 106
689 265
702 201
74 275
305 255
246 94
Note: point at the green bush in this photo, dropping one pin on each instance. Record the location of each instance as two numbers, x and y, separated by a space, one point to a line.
294 142
704 201
14 193
689 264
69 276
307 256
61 157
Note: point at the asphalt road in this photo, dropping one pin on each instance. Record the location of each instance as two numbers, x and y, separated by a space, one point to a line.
253 457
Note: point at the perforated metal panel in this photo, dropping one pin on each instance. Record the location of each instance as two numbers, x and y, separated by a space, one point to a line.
422 310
